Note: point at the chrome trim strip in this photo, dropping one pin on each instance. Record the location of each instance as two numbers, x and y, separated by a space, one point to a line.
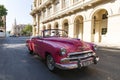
68 59
74 53
73 58
66 66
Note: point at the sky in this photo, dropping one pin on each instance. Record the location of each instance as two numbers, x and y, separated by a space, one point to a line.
19 10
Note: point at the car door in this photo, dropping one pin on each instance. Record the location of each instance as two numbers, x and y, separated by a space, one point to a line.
39 46
36 45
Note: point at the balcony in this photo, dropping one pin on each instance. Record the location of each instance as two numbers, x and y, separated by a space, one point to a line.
36 9
71 9
45 3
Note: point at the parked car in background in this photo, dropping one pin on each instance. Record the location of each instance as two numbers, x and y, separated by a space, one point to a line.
13 36
60 51
2 34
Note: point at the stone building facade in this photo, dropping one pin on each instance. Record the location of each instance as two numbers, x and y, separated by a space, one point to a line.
3 28
95 21
17 28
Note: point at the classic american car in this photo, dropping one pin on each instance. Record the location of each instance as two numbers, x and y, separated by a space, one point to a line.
60 51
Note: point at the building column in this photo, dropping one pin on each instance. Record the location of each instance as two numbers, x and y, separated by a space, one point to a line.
71 27
60 24
60 4
37 2
40 28
71 1
71 30
87 30
37 25
52 25
113 29
97 31
34 26
46 15
33 31
41 16
53 9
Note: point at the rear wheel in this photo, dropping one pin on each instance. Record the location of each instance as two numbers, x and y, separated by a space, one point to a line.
50 63
30 51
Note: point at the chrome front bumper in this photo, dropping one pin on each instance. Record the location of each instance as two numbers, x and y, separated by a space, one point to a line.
78 64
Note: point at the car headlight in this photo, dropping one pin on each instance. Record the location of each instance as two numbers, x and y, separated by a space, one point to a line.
95 47
89 54
62 51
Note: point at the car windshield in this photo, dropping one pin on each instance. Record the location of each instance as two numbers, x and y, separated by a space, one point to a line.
55 33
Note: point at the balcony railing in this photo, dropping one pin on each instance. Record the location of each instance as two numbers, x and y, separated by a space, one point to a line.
69 9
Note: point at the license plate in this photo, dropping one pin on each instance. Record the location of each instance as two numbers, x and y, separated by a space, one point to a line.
86 63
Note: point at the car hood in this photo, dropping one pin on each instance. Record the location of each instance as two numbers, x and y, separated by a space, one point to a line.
70 44
65 40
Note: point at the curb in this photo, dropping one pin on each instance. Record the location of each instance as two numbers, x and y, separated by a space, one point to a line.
110 47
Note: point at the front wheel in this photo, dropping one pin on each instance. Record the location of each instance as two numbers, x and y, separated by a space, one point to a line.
50 63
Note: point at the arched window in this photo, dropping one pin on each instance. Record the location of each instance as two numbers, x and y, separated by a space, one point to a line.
49 10
44 13
75 1
104 26
65 25
57 5
100 25
65 3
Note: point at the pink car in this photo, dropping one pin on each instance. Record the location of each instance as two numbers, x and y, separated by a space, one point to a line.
60 51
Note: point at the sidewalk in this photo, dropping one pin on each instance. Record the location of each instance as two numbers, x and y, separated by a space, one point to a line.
110 46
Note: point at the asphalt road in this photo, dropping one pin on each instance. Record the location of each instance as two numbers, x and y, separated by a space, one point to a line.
17 64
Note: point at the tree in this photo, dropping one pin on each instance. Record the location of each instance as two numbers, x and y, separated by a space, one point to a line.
27 30
9 32
3 12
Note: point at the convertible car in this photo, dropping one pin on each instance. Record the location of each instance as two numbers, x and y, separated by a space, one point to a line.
60 51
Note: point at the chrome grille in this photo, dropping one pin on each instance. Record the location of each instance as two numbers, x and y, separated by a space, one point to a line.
80 55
